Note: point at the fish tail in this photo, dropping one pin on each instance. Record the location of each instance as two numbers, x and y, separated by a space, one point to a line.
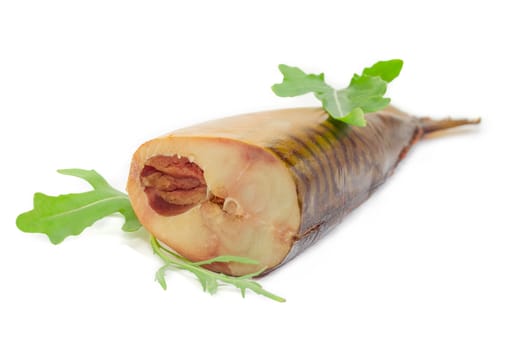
430 125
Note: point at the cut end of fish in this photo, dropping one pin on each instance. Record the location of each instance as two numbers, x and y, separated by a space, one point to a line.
210 196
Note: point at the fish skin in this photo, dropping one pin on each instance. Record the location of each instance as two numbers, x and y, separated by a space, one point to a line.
338 174
326 168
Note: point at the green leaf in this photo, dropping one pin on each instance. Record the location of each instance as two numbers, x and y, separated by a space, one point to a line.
296 82
66 215
203 280
209 280
228 258
160 276
212 285
356 117
335 102
386 70
364 94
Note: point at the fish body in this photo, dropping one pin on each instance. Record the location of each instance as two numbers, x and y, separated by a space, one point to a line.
265 185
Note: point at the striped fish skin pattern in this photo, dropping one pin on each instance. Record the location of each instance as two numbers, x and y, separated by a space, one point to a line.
336 167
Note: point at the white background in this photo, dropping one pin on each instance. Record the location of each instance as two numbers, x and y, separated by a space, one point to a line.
434 260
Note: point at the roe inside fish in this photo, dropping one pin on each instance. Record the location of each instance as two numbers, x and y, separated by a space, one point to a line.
173 184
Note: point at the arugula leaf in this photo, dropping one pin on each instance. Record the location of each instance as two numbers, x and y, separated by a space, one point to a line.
386 70
296 82
67 215
209 279
363 95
